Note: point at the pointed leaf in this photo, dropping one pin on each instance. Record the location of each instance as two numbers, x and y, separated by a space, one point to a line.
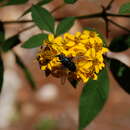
10 43
65 25
70 1
93 98
35 41
120 43
120 71
42 18
125 8
1 73
26 72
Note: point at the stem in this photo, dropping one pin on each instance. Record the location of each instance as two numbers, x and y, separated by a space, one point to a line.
100 14
107 28
27 21
109 5
26 28
118 15
90 16
118 25
30 21
15 22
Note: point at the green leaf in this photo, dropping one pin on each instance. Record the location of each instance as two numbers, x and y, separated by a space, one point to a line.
43 18
70 1
10 43
120 43
40 3
125 8
128 41
65 25
1 73
99 34
93 98
35 41
16 2
2 33
27 73
120 71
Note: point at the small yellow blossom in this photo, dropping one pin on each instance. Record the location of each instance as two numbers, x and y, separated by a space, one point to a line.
83 49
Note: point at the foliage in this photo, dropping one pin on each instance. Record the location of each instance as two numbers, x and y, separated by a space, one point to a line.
10 43
43 18
125 8
93 98
65 25
40 3
94 93
120 71
35 41
26 71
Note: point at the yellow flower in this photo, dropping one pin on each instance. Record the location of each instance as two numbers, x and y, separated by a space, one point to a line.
82 51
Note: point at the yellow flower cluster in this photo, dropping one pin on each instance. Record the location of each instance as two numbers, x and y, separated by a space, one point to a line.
85 49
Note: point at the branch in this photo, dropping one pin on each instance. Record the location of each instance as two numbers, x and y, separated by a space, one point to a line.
17 22
118 25
107 28
109 5
25 29
96 15
30 21
118 15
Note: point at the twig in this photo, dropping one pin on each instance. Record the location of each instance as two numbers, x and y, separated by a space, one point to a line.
118 15
107 28
103 14
118 25
109 5
26 29
27 21
15 22
99 15
30 21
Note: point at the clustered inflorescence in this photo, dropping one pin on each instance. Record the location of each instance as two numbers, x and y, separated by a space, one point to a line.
84 49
